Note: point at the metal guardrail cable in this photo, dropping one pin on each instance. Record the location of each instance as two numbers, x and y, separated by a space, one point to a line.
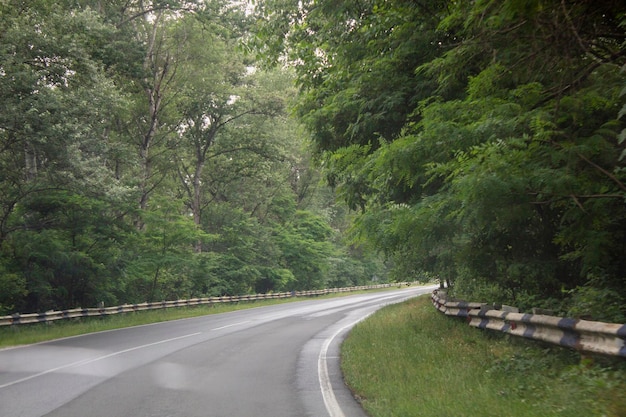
49 316
582 335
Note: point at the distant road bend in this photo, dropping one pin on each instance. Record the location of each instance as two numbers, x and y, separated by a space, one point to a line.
274 361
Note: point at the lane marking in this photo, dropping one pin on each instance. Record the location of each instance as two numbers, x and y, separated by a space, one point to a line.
362 303
88 361
330 401
231 325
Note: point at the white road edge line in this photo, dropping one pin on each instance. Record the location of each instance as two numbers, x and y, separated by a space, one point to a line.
330 401
87 361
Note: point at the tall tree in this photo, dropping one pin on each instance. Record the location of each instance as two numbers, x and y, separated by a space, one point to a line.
57 105
479 139
144 156
217 100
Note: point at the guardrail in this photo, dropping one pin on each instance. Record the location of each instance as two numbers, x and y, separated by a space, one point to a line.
17 319
582 335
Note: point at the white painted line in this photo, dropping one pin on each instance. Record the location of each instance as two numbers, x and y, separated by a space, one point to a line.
87 361
347 307
330 401
231 325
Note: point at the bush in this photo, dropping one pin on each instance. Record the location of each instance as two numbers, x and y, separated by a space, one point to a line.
595 303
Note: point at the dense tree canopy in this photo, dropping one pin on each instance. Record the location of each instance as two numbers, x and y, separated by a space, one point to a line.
482 142
153 149
145 156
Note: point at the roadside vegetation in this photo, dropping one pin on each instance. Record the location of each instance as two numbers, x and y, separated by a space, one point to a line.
409 360
155 150
144 156
480 142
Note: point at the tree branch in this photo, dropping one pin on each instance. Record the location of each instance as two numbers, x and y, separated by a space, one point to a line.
151 10
616 180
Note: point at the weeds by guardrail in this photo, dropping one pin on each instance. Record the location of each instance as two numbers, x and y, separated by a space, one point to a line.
582 335
17 319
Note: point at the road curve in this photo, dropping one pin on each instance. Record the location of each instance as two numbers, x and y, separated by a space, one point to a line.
274 361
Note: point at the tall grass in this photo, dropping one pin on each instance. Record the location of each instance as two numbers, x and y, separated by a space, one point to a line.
410 360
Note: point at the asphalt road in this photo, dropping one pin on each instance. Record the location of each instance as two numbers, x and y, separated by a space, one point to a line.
275 361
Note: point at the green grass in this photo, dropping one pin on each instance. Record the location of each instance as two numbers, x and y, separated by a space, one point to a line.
410 360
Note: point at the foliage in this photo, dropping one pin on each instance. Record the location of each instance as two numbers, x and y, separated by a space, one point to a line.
480 142
596 302
145 156
306 250
12 289
408 359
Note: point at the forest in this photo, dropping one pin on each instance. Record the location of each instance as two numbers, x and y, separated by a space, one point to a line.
163 149
145 156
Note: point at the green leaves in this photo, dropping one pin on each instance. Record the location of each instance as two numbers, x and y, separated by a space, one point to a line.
306 250
145 156
481 141
12 289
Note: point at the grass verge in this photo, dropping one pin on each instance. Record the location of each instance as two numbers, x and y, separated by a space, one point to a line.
410 360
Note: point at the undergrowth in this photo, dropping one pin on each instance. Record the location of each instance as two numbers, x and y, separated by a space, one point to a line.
410 360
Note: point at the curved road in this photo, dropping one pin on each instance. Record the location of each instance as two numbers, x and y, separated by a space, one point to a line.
275 361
